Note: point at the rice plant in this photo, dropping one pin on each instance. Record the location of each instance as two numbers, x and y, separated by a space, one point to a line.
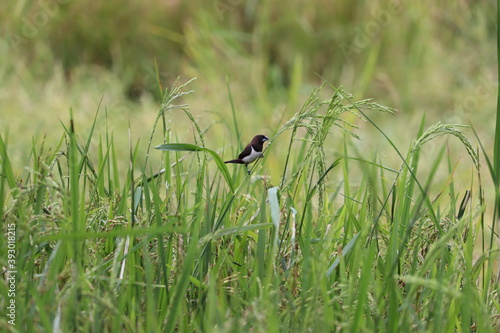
340 243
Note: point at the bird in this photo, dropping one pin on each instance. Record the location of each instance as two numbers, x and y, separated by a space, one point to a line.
251 152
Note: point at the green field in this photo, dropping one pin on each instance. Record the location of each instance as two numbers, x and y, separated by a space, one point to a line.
374 208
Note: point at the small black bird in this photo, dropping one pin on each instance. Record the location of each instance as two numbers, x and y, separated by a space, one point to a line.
251 152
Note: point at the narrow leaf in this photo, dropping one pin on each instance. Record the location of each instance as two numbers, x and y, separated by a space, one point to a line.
190 147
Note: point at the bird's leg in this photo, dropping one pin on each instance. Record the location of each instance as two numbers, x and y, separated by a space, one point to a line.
248 170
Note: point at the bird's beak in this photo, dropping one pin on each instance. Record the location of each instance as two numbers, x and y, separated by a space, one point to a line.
265 139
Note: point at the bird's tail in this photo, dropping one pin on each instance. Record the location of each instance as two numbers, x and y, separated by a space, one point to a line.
238 161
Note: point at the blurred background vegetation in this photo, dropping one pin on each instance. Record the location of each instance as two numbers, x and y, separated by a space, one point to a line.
421 57
432 57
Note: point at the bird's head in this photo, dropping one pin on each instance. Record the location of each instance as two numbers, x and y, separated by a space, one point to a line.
260 138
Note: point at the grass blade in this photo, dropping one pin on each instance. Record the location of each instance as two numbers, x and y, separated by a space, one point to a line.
190 147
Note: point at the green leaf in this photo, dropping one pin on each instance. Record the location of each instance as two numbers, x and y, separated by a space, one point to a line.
233 230
275 211
274 205
190 147
345 251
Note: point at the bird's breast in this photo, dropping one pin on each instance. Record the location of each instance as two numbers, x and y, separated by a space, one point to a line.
252 156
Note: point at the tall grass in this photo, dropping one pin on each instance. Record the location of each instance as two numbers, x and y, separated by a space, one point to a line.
383 249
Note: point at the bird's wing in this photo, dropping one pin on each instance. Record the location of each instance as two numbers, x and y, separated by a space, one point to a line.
247 151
